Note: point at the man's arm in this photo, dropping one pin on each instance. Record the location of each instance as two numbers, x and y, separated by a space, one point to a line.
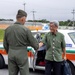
5 44
63 45
32 41
64 53
44 41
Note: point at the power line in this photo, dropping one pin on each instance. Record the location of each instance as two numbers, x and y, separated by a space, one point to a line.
73 12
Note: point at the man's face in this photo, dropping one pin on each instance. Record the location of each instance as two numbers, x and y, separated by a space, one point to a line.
53 28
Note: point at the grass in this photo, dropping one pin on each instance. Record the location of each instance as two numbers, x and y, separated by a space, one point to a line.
1 34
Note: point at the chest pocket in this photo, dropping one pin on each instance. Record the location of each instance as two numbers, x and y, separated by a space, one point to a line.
58 42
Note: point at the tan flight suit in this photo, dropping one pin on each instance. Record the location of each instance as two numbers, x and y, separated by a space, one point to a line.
16 39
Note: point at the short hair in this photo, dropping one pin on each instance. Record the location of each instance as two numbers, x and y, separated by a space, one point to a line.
55 22
21 13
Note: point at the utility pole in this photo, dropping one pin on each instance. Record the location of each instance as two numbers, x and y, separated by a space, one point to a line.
73 12
34 17
24 6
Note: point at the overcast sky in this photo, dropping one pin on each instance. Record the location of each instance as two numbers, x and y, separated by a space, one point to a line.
45 9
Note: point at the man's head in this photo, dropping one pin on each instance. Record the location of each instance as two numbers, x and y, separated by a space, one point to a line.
21 16
54 26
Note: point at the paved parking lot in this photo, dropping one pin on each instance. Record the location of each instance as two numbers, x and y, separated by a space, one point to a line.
37 72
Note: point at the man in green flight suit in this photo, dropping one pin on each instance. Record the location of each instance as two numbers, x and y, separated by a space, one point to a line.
16 39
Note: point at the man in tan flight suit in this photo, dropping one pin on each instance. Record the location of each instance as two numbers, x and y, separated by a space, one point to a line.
16 39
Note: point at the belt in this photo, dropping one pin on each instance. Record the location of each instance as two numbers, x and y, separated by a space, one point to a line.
20 47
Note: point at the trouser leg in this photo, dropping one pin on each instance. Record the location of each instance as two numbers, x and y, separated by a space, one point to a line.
23 66
57 68
48 67
12 67
24 69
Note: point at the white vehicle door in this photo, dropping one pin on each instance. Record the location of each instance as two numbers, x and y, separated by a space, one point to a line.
32 58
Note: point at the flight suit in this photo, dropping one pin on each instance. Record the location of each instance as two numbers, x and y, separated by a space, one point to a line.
16 39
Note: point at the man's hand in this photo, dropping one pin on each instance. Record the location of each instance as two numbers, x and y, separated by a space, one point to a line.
40 44
64 58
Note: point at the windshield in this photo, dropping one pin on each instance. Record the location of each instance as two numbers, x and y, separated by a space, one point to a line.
38 36
72 36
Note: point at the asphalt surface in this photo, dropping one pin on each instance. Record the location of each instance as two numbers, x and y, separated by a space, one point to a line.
36 72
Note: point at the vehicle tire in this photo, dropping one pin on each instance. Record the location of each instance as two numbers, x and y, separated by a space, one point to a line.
2 63
72 67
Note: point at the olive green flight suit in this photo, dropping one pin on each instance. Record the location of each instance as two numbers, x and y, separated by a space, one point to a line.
16 39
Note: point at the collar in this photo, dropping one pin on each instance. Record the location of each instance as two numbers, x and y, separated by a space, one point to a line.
18 23
54 34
